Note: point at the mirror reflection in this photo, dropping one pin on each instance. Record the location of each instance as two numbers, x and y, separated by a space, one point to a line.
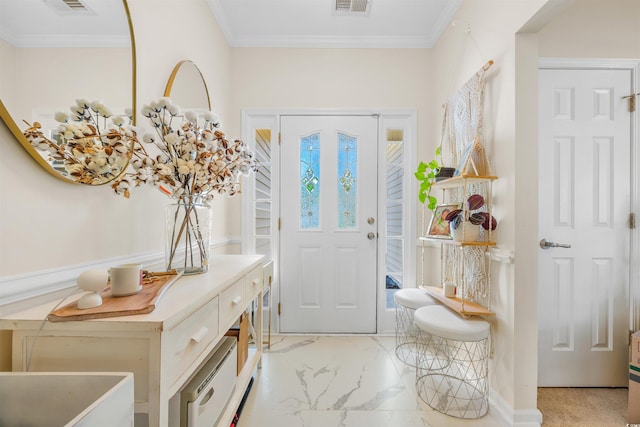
54 53
187 89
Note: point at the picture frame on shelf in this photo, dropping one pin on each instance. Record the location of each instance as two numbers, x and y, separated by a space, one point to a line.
462 164
439 226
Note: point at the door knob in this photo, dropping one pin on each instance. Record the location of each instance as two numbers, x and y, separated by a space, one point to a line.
544 244
371 220
371 235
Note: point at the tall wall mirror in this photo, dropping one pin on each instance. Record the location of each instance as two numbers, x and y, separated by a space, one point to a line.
187 89
54 52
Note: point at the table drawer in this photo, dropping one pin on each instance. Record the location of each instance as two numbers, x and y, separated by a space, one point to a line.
232 302
254 282
183 344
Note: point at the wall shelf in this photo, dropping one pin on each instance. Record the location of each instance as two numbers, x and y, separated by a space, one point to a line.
453 242
465 308
460 181
465 263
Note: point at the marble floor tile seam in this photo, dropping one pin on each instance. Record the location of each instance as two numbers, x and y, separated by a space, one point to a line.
347 381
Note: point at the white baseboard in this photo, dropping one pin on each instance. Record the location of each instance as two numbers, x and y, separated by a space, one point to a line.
510 417
22 290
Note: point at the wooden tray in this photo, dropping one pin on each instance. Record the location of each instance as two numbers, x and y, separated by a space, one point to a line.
145 301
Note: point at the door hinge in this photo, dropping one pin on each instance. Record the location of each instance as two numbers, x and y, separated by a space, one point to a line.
279 138
632 101
632 221
279 224
279 309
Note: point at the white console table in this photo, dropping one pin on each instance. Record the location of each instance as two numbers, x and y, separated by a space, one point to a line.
164 348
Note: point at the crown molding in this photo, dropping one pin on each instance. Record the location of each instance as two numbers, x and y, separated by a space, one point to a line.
347 42
50 40
343 42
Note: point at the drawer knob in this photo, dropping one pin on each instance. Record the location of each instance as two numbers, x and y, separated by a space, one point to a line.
236 300
202 332
255 282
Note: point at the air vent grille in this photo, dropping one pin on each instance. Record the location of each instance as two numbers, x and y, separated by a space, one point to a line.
75 4
68 7
352 7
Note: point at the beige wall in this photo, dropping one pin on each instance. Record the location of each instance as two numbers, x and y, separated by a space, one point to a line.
331 78
46 223
580 29
456 57
7 71
593 29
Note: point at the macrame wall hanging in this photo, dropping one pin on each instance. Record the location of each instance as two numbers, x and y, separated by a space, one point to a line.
462 139
462 127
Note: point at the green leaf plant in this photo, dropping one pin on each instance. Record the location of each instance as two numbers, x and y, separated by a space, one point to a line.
426 175
474 202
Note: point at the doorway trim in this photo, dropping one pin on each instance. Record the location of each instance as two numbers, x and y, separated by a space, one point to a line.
252 119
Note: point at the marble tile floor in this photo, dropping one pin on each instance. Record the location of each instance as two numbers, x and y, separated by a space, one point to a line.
340 381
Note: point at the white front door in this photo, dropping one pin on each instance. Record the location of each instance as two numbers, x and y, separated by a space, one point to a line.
584 202
328 224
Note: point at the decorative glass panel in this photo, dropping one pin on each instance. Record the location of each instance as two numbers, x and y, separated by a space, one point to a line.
263 155
395 170
347 181
395 182
263 192
310 182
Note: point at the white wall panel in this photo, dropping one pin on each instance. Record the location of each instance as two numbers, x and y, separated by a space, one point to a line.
564 172
562 311
601 300
603 104
603 181
564 104
310 277
346 277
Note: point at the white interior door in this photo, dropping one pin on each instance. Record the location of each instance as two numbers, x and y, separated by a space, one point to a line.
328 224
584 188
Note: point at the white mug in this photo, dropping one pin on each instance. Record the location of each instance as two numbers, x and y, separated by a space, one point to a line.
449 289
126 279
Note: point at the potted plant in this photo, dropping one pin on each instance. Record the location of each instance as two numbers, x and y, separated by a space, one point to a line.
427 174
470 232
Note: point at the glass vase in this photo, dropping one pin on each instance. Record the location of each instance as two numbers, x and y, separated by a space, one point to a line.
188 230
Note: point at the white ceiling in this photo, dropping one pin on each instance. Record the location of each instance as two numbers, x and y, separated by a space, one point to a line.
50 23
245 23
312 23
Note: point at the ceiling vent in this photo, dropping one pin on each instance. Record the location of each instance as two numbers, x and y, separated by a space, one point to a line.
66 7
352 7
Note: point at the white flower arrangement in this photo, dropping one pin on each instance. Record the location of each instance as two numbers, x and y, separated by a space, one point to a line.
192 163
192 160
92 144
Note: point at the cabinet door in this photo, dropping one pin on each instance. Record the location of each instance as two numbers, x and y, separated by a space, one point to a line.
66 352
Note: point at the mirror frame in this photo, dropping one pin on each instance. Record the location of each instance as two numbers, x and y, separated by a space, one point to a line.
17 133
174 74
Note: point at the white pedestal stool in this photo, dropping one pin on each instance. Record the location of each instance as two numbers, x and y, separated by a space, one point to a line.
407 302
452 363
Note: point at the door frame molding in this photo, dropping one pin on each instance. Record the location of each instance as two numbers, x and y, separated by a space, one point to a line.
385 323
634 244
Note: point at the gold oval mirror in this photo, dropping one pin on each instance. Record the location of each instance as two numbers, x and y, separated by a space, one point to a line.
55 52
187 89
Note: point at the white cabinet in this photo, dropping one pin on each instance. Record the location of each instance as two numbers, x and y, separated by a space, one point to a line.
163 349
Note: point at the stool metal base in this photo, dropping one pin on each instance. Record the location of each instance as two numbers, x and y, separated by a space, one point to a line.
452 396
406 333
451 376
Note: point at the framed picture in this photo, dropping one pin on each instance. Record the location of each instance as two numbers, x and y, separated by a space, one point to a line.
439 227
463 161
